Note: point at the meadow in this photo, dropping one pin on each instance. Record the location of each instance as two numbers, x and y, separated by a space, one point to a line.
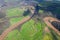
29 30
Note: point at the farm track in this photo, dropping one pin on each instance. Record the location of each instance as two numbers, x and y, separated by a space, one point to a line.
47 19
5 33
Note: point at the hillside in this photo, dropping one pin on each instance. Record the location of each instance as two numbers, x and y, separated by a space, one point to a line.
29 20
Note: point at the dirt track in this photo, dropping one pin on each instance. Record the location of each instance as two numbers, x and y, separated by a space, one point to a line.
47 19
4 34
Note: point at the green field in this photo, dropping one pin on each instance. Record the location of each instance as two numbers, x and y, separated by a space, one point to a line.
29 30
15 12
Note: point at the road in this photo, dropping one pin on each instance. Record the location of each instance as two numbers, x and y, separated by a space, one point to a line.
47 19
5 33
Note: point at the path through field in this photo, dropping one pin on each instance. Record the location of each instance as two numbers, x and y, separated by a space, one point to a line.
4 34
47 19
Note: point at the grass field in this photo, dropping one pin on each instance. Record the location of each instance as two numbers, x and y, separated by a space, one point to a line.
15 12
29 30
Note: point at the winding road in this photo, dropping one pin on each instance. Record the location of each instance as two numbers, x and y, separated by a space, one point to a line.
5 33
47 20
